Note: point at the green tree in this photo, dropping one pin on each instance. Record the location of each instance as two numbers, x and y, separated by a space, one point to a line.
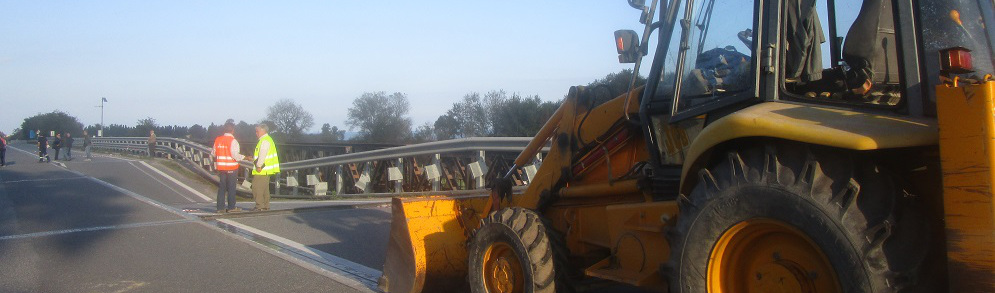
613 85
144 125
424 133
331 133
289 118
521 116
119 130
470 117
381 117
197 133
57 121
446 127
245 132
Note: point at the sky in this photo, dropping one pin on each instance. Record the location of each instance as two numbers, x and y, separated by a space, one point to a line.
201 62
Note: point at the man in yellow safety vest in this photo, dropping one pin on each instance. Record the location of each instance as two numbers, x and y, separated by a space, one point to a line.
265 163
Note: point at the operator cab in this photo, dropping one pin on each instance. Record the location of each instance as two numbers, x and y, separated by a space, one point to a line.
714 57
732 56
717 53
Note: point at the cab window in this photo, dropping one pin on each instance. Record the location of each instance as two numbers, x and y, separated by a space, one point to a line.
851 59
718 60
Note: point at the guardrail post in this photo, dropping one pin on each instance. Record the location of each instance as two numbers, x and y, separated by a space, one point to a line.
247 178
317 174
276 185
483 165
366 173
339 178
436 160
295 173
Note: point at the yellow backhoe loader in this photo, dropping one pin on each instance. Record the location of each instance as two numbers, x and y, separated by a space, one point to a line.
744 164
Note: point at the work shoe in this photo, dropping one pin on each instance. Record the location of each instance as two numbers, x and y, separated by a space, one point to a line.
221 211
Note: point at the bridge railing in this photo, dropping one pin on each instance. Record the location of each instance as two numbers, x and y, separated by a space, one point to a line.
458 166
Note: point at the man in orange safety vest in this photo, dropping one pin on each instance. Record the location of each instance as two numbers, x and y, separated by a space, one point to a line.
226 155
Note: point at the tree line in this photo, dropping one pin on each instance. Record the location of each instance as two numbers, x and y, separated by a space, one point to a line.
377 117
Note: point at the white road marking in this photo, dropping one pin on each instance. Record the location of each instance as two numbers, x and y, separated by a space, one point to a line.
91 229
163 183
49 179
359 273
141 198
194 191
26 152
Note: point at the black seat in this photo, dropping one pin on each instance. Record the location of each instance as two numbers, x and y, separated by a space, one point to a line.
870 49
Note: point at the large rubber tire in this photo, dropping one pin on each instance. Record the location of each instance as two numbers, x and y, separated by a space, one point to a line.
527 243
870 232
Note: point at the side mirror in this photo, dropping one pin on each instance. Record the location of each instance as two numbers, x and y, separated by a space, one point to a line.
627 45
637 4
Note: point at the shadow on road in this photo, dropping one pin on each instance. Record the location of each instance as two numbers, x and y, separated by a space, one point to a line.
359 235
36 201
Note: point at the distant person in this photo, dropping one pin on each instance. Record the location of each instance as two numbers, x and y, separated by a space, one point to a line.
151 143
69 146
57 145
86 145
3 149
42 148
266 163
226 155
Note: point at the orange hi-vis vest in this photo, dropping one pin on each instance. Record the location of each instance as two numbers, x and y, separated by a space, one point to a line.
223 159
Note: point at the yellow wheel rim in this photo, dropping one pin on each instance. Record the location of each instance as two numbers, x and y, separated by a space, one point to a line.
502 271
764 255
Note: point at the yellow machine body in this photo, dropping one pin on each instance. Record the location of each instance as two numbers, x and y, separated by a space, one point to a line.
427 252
813 124
967 153
427 249
602 211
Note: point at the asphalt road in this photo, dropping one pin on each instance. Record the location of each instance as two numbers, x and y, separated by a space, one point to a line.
131 224
126 225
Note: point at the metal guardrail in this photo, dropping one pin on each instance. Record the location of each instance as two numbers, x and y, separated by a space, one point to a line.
457 166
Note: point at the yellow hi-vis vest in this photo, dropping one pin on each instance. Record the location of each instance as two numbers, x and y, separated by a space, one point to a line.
271 164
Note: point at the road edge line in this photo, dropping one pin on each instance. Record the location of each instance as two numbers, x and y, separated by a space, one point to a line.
338 269
303 261
177 182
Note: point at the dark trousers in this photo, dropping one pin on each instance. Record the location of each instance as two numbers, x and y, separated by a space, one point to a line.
69 153
3 157
57 153
226 186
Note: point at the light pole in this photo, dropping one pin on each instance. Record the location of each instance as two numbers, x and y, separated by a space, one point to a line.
102 101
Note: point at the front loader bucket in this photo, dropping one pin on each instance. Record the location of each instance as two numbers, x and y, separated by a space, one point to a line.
427 247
